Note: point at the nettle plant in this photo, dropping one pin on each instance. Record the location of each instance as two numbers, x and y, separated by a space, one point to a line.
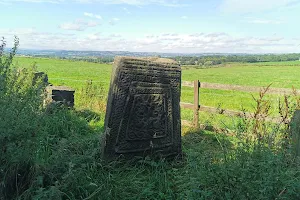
21 98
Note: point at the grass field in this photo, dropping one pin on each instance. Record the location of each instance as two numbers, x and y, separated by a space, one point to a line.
278 74
55 155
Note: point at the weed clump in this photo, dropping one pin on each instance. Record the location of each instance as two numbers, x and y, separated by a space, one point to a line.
37 148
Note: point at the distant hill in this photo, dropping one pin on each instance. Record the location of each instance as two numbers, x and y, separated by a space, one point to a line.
198 59
70 54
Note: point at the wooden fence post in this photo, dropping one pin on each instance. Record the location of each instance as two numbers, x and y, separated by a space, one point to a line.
196 103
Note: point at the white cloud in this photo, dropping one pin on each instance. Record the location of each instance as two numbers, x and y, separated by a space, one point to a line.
92 24
72 26
92 15
98 17
114 21
213 42
184 17
31 38
115 35
167 42
88 14
126 10
33 1
264 21
4 3
252 6
173 3
78 25
94 36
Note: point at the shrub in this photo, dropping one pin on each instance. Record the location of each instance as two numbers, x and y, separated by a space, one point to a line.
36 146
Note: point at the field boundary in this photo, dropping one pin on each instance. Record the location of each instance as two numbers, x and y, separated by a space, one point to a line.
196 107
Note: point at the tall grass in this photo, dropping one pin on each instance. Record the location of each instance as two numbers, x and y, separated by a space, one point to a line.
37 144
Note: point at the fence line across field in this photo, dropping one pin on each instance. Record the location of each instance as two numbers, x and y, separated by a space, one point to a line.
216 86
196 106
240 88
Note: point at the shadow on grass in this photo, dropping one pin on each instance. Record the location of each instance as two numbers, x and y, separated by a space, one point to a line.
198 142
219 168
88 115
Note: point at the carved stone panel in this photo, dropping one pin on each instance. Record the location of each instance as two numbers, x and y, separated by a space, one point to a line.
143 109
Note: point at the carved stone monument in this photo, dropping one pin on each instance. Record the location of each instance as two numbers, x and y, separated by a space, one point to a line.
143 109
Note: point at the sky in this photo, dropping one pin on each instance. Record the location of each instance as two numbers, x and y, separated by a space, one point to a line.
171 26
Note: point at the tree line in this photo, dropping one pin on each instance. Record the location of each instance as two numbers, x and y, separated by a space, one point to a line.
221 59
210 60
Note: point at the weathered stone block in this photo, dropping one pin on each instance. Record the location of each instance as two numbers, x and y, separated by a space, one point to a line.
60 94
143 109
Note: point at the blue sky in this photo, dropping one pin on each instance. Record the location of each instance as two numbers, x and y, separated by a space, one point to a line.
182 26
